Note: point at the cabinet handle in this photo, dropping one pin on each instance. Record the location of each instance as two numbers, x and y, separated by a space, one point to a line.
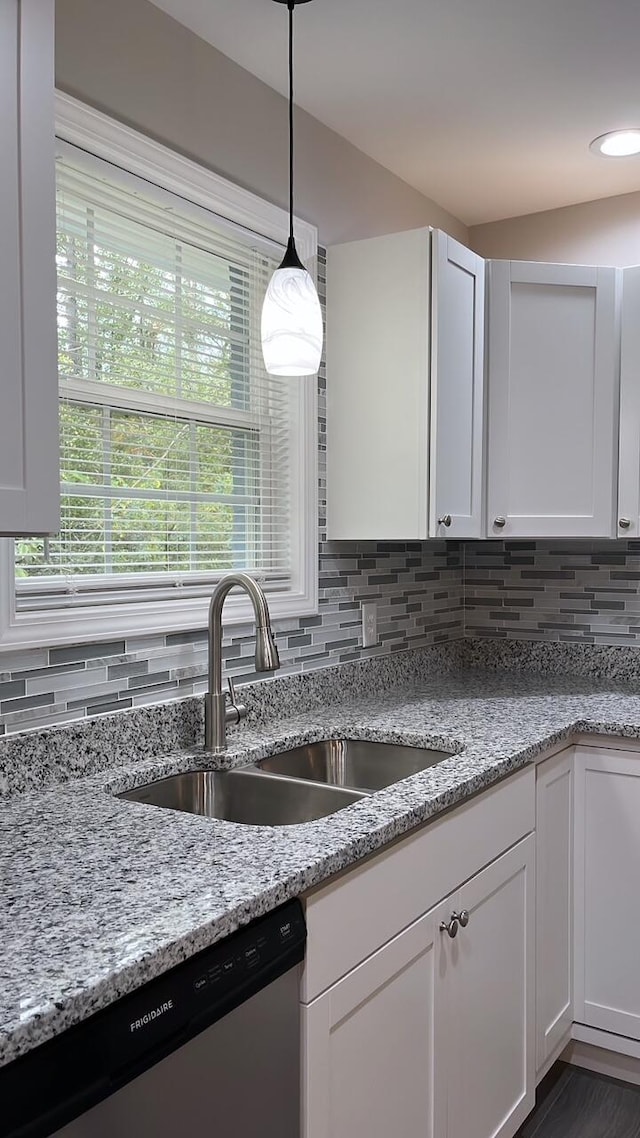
462 918
445 520
450 927
624 523
499 522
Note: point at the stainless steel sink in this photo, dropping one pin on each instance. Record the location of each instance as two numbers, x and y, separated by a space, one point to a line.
290 788
353 763
244 796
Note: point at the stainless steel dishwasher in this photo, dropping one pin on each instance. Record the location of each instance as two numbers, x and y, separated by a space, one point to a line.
210 1048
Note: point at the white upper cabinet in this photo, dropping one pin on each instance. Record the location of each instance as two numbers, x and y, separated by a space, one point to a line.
553 400
378 387
629 474
385 441
457 390
29 479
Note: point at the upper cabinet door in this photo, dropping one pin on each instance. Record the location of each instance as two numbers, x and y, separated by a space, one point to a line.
404 423
629 474
378 387
29 479
553 400
457 390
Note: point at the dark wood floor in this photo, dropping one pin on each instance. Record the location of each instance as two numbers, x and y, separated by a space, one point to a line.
579 1104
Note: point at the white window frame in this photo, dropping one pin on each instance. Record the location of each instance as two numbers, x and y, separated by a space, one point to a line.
106 138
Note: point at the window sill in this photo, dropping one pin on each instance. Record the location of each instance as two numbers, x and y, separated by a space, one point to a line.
106 622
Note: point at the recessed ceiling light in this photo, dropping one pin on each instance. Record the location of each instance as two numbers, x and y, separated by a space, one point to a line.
617 143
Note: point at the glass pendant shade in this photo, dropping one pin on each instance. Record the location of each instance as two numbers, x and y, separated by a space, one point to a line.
291 323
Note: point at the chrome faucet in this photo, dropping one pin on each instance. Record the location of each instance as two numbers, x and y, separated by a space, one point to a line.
216 712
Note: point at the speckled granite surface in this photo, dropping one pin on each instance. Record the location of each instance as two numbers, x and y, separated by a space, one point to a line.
100 895
599 661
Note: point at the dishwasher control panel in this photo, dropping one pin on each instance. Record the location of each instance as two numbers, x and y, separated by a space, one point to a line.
194 994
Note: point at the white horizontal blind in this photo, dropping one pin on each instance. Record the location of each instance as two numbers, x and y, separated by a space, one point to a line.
175 443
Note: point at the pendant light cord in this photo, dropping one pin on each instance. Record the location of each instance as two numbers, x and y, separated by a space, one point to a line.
291 259
290 6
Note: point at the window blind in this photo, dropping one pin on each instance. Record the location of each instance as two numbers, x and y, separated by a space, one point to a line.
175 442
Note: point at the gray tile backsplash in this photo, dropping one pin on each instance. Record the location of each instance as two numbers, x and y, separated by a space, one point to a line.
418 590
568 592
586 592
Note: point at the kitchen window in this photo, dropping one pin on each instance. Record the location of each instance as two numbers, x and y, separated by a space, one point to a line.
181 458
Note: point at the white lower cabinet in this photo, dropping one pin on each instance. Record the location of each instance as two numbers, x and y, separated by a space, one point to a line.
489 1029
607 865
432 1036
554 905
370 1050
408 1031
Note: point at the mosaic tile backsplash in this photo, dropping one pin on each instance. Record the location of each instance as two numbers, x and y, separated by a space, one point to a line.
580 592
586 592
567 592
418 591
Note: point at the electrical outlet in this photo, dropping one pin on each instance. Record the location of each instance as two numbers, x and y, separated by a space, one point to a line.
369 624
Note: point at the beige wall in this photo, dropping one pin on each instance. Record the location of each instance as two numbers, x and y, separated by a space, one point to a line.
130 59
604 232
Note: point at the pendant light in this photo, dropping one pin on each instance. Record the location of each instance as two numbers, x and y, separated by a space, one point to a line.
291 316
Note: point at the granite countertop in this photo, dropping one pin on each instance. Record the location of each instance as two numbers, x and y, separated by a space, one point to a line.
101 895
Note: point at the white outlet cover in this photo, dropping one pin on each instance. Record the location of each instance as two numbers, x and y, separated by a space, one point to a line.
369 624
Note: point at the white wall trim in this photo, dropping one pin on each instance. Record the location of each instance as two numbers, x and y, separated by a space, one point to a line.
603 1061
97 134
620 1044
116 621
136 153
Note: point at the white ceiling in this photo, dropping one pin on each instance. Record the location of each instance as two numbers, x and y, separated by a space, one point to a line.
486 106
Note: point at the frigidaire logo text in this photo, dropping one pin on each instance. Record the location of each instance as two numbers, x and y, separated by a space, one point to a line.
149 1017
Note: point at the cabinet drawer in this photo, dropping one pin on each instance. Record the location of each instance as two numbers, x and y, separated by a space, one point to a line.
358 912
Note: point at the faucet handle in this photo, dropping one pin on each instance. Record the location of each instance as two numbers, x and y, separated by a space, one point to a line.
234 711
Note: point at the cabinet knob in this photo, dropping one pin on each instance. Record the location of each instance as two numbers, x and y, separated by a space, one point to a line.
445 520
499 522
450 927
462 918
624 523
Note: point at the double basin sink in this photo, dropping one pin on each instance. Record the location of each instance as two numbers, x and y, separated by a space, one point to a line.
292 787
